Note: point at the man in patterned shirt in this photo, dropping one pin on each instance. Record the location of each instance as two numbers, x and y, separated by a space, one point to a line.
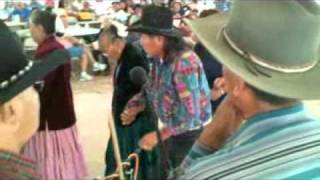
178 88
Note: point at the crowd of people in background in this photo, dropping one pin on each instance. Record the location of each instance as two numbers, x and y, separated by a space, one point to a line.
215 90
49 29
127 12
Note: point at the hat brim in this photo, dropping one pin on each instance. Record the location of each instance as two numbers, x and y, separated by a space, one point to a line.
147 30
39 69
290 85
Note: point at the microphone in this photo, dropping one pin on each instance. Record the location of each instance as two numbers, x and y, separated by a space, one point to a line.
138 75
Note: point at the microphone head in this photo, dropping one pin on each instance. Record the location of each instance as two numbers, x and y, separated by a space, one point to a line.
138 75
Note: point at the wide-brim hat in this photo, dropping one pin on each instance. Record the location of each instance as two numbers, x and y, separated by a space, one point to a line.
16 72
272 45
156 20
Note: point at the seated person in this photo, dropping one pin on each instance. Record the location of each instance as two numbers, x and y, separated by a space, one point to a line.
86 13
21 11
76 48
19 103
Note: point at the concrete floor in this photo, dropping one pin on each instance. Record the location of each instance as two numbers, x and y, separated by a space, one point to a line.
93 107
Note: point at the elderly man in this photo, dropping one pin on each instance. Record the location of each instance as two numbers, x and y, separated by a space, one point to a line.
19 103
270 53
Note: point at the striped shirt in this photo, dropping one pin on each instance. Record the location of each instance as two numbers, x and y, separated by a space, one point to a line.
16 167
281 144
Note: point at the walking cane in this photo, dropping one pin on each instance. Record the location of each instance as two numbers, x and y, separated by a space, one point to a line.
123 170
116 148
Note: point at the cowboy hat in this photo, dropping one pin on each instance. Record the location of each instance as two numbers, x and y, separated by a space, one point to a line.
16 72
158 21
272 45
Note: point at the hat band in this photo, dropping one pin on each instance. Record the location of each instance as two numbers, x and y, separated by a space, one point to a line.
15 77
265 63
159 29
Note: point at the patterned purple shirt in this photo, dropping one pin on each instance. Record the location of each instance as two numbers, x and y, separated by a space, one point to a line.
179 93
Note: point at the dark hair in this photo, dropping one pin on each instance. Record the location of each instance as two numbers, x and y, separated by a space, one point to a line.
138 6
61 4
174 47
111 32
270 98
45 19
208 12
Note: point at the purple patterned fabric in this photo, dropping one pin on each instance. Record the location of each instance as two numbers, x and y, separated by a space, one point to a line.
58 154
179 92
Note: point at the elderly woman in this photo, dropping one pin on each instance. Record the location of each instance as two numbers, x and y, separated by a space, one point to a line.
55 147
178 87
19 105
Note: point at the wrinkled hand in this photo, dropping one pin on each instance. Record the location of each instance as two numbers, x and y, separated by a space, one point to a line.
149 141
130 114
218 88
226 121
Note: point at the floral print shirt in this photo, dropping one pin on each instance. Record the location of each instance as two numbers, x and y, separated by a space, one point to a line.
179 93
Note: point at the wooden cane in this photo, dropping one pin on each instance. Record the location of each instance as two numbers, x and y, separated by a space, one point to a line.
116 148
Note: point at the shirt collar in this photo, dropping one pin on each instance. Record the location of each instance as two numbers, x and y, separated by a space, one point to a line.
275 113
271 119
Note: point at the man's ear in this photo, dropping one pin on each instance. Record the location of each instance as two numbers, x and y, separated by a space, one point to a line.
239 88
9 117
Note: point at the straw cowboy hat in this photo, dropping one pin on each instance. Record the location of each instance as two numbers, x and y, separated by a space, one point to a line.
273 45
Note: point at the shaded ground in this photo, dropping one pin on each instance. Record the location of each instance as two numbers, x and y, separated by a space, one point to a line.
93 106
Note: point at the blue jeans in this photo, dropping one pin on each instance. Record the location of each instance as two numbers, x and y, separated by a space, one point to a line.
76 52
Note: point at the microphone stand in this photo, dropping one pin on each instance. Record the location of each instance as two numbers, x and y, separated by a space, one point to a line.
156 123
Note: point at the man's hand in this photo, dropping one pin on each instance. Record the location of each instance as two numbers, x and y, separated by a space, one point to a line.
130 114
225 122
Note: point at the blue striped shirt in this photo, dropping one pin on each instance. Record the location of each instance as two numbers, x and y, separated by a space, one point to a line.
281 144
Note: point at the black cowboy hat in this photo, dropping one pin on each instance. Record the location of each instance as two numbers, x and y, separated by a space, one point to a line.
156 20
16 72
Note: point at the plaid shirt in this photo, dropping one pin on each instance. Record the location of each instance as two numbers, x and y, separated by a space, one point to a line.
15 167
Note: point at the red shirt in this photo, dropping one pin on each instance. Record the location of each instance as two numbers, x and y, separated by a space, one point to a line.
56 99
